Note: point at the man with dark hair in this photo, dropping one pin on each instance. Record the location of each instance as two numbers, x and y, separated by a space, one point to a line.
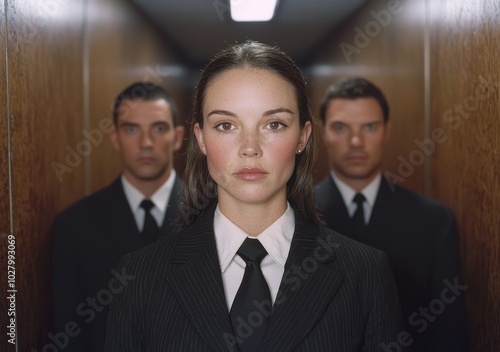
417 233
138 208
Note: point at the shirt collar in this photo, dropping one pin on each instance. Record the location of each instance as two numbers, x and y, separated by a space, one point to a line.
347 193
159 198
276 239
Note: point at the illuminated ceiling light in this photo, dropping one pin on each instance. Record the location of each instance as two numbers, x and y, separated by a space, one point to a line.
252 10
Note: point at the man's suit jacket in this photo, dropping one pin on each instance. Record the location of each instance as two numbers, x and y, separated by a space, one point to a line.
419 236
336 295
90 238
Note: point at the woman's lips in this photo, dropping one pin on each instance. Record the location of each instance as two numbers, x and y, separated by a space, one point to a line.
250 174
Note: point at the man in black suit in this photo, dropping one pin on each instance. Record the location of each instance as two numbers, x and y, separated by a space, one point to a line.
417 233
136 209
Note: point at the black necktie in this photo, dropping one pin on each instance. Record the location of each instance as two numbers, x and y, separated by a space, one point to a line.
252 304
150 228
358 219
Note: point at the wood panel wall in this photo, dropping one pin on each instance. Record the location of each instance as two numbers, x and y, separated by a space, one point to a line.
45 111
4 156
114 32
4 187
465 169
386 48
66 60
437 61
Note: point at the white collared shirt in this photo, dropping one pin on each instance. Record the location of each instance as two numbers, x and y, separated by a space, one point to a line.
276 239
347 193
160 199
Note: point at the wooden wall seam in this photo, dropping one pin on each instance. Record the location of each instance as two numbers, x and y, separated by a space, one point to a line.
86 87
427 95
9 312
7 114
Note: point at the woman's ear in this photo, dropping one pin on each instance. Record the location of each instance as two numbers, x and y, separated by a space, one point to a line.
305 133
198 132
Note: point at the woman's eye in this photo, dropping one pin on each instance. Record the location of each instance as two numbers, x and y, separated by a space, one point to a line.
276 125
224 126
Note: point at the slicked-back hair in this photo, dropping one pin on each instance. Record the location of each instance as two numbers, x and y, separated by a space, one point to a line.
200 189
353 88
144 91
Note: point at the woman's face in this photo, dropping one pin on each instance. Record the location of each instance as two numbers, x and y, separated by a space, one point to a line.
251 135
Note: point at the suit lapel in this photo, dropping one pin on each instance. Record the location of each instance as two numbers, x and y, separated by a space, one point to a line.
309 284
119 217
332 207
120 221
195 264
382 200
385 218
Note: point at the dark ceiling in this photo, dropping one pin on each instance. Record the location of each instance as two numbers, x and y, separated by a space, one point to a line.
200 28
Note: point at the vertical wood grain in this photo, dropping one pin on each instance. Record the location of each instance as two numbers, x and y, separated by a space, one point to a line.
463 120
390 55
4 156
465 172
4 191
45 95
50 45
46 89
124 49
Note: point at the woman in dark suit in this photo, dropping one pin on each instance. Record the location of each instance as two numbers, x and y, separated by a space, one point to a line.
252 269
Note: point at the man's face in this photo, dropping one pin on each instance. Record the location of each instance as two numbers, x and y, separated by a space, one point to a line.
355 134
146 138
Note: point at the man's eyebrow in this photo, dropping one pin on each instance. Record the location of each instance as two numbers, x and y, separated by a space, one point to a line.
364 123
133 124
221 112
127 123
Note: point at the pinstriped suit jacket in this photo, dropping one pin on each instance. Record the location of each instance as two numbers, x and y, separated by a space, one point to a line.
336 295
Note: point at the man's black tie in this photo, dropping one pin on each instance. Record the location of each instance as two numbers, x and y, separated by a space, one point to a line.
252 305
150 228
358 219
